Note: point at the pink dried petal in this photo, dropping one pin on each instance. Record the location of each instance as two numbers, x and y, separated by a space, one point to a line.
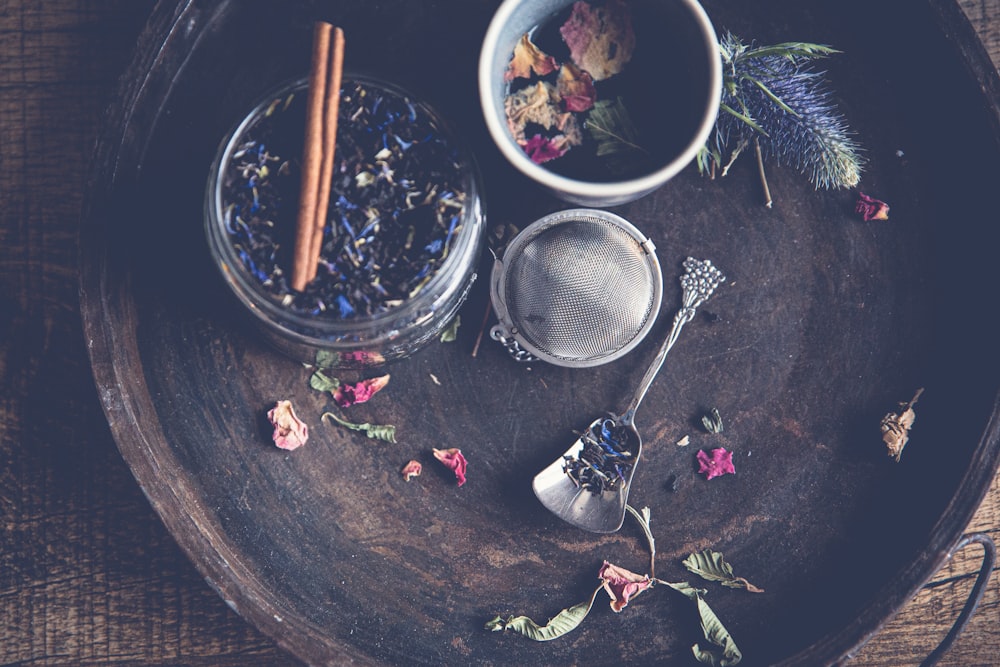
453 459
290 432
347 395
600 39
716 463
871 208
542 149
412 469
621 584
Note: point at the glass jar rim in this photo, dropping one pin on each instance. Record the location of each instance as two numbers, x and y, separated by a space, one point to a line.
265 307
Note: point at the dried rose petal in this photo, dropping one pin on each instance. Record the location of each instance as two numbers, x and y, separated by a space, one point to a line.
529 58
716 463
600 39
576 88
542 149
412 469
290 432
621 584
871 208
347 395
453 459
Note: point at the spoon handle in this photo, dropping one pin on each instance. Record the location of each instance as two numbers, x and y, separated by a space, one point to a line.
698 282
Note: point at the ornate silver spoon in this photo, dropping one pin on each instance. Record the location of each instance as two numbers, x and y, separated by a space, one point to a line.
588 485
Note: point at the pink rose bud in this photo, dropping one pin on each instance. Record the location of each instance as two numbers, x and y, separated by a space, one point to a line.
290 432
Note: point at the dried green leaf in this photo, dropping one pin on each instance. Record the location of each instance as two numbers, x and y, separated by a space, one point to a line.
321 382
326 359
611 127
563 622
713 421
383 432
715 632
450 334
712 566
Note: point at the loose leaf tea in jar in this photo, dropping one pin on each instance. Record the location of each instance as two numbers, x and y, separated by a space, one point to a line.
401 237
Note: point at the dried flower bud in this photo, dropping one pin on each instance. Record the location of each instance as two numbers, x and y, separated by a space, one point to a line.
871 208
452 458
290 432
896 426
621 584
412 469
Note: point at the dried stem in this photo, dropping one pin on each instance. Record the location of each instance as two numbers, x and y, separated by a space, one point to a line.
763 177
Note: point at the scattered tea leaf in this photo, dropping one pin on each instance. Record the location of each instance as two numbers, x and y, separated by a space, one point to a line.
712 566
326 359
321 382
713 421
383 432
450 333
896 426
714 630
565 621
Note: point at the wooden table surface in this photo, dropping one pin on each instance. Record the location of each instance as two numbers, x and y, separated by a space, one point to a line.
88 574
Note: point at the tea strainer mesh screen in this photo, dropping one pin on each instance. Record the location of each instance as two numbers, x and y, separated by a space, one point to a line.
576 288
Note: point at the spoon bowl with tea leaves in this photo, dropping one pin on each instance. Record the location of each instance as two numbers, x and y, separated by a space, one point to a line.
588 485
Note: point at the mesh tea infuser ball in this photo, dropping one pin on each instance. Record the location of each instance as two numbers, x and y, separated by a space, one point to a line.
576 288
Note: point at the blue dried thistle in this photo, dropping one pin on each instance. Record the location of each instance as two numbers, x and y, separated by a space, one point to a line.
772 98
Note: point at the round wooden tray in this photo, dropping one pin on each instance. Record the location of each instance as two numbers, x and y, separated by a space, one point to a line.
825 324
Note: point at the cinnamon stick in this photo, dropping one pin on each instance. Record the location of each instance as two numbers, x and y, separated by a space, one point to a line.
322 105
329 145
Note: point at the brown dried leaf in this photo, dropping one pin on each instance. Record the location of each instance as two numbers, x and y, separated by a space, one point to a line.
529 58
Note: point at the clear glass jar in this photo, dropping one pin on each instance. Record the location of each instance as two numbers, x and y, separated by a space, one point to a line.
338 337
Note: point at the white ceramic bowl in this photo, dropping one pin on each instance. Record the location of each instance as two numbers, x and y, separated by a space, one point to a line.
682 23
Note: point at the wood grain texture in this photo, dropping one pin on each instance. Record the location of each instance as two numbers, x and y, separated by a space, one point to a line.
88 574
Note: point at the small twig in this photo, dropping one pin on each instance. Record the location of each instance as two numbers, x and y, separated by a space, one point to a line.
763 177
643 519
482 329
